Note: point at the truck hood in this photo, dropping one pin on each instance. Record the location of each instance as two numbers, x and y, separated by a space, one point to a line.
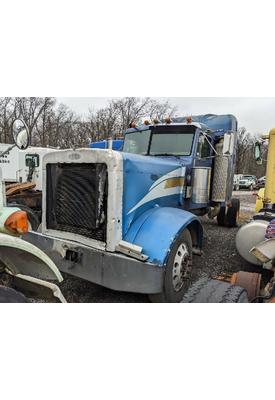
150 182
21 257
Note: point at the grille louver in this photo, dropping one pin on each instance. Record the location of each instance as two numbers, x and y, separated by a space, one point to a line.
77 199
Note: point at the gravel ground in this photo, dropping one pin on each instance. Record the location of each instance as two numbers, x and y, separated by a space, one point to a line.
219 256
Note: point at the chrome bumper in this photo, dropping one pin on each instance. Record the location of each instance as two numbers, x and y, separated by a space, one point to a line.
112 270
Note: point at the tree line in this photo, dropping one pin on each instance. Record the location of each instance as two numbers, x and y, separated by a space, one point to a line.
54 124
245 162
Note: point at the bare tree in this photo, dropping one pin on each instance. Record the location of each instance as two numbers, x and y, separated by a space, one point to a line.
7 115
32 108
114 119
245 162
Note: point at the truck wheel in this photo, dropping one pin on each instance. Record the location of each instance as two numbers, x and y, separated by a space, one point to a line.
177 271
232 215
221 217
8 295
207 290
33 219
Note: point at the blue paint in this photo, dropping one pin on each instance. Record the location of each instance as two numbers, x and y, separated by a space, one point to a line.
216 123
154 213
156 230
117 144
155 224
138 177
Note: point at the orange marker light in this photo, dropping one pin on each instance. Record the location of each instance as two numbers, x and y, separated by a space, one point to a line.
17 222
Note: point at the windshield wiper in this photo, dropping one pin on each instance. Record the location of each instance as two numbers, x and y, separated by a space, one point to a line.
166 154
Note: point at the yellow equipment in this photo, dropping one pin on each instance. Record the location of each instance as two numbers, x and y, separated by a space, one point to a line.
269 195
253 233
260 200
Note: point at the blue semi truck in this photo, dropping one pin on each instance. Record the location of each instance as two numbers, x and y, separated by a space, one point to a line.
128 220
114 144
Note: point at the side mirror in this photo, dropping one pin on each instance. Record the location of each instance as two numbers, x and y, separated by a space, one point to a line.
20 134
257 153
228 144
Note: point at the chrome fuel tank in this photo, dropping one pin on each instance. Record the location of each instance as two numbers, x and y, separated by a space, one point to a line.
248 236
201 184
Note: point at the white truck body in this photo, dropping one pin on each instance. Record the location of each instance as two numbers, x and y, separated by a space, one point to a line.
9 163
14 164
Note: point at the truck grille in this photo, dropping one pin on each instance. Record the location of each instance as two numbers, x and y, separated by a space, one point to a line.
77 199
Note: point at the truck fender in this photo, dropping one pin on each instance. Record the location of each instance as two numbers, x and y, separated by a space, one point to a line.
156 230
21 257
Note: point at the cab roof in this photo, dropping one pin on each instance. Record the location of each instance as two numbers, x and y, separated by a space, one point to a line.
213 122
143 127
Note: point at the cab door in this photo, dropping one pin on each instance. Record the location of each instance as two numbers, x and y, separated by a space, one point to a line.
204 152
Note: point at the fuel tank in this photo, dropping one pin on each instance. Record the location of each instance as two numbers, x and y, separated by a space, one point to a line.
201 184
248 236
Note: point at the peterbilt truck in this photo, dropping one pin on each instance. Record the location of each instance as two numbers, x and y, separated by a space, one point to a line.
129 220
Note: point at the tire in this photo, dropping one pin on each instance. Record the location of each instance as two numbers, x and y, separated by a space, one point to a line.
176 277
8 295
32 217
221 216
207 290
232 215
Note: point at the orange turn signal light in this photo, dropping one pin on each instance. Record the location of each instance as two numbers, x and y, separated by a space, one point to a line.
17 222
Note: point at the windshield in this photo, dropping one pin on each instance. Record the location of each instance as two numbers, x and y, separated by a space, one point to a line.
175 144
137 142
161 140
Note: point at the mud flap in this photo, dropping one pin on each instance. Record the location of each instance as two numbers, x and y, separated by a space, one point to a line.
38 288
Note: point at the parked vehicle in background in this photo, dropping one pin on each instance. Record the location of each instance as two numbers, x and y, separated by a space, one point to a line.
127 220
255 242
22 174
247 182
30 269
251 234
236 181
260 183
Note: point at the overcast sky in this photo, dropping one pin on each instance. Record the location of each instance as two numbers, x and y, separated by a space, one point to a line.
257 114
